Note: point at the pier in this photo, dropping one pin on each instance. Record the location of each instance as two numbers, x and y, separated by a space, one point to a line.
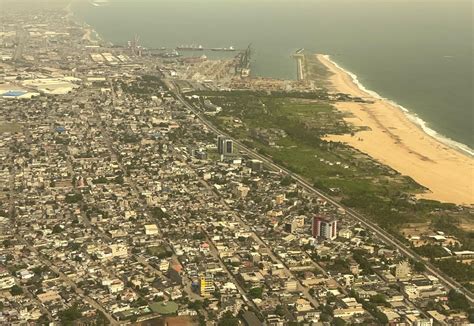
202 49
299 56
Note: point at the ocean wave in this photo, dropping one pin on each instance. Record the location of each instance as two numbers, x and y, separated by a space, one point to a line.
413 117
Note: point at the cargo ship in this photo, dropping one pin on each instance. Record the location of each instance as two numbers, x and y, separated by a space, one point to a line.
99 3
190 48
230 48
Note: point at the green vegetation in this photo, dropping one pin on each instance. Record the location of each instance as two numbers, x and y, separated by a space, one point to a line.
100 180
339 266
164 308
459 271
457 300
16 290
291 129
38 270
374 311
451 225
195 305
286 181
256 292
378 299
338 322
101 319
365 265
73 198
280 310
228 320
159 251
419 267
432 251
158 213
144 87
57 229
7 243
69 315
317 71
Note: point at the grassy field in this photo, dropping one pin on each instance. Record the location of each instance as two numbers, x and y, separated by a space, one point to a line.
297 126
290 128
355 179
315 71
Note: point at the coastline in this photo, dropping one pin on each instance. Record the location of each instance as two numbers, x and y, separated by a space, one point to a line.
400 141
90 34
396 138
464 149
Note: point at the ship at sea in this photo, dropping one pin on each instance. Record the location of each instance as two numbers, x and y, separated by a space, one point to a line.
190 48
230 48
99 3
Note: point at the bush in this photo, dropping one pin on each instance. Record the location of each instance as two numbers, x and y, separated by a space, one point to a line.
457 300
16 290
256 293
228 320
73 198
69 315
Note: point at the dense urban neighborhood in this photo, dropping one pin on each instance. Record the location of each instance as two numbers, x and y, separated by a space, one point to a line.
122 203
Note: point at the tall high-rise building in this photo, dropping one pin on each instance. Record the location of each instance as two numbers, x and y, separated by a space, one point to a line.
220 144
324 227
225 146
229 146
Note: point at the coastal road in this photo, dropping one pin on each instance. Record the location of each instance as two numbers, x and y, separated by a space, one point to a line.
382 234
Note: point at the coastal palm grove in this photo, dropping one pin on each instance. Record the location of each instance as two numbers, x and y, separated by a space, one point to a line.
159 187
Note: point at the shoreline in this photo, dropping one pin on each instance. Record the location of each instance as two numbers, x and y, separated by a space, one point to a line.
90 34
447 172
413 117
402 140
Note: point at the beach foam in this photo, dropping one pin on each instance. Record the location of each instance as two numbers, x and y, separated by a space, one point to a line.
413 117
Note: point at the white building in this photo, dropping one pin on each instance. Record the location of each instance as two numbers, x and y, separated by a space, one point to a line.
345 233
151 229
6 282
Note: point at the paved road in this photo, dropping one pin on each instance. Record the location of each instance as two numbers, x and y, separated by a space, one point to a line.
67 280
382 234
261 242
45 260
215 254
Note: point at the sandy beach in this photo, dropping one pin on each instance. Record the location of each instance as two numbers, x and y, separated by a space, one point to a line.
396 141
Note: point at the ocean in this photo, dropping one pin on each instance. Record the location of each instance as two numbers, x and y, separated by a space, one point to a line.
416 53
